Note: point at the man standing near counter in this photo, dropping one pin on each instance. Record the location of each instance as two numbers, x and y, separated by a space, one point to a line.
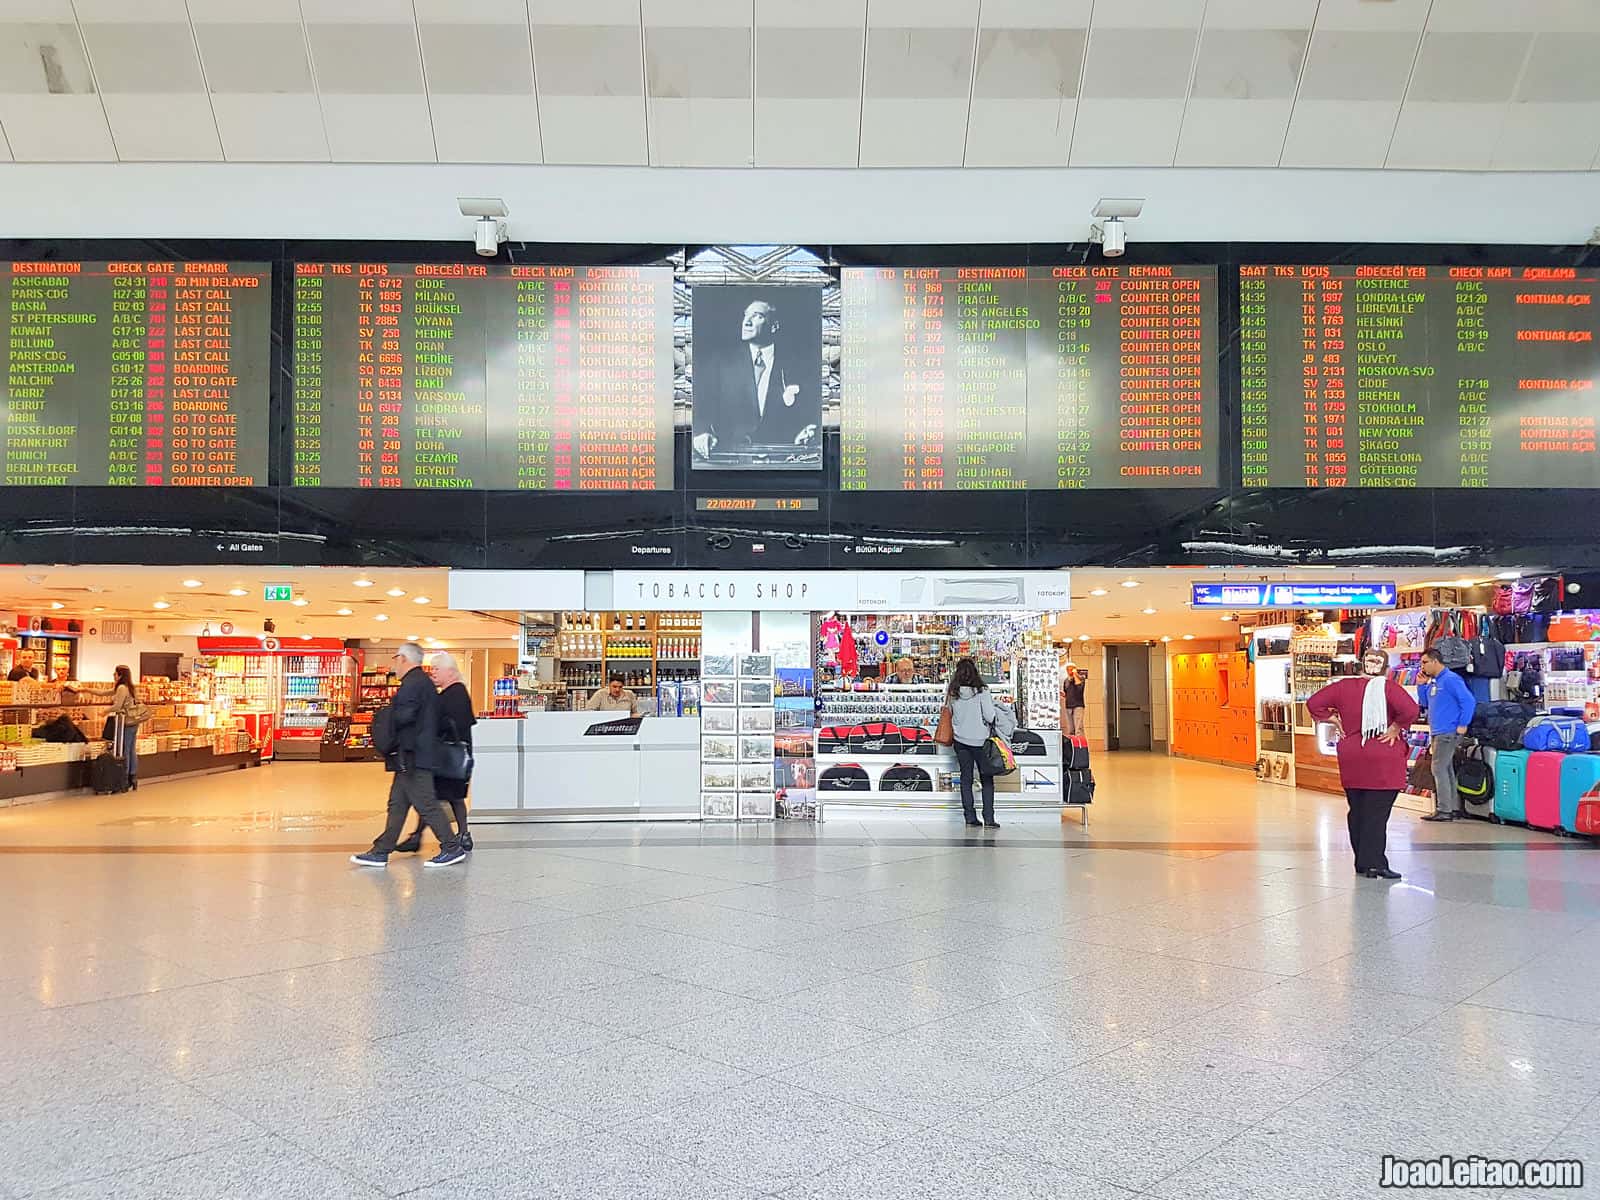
1450 706
614 698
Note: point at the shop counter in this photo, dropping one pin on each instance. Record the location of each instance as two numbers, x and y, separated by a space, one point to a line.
550 766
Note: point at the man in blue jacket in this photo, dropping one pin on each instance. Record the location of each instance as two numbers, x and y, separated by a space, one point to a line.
1450 707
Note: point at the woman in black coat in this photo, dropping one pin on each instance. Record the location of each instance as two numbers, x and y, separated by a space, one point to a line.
456 720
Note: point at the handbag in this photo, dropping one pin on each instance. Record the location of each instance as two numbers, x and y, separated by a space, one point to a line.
945 732
138 714
453 759
996 757
1420 775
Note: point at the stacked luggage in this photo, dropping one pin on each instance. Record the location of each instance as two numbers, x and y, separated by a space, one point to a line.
1544 776
1077 780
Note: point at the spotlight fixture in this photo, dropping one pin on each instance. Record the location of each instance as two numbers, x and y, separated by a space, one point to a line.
381 617
161 604
237 591
1097 592
1166 637
1574 587
1149 612
1130 583
345 612
361 583
1188 637
396 592
489 229
1110 232
420 600
193 583
1083 637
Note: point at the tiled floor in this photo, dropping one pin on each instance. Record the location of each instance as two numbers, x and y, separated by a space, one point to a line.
1194 997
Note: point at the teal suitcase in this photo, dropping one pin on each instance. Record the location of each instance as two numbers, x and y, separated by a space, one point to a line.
1510 785
1580 773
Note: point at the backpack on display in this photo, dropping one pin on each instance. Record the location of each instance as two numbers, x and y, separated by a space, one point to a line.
385 737
1475 782
1456 652
1077 786
1500 724
1075 753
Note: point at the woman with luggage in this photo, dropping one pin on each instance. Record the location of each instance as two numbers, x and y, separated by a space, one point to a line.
125 704
456 720
1369 715
972 717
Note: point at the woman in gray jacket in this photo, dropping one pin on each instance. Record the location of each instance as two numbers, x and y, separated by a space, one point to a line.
972 715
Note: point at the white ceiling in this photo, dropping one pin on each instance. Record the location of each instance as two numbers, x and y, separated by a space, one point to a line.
1427 84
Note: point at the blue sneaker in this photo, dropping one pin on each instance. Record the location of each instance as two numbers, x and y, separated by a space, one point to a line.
370 859
447 858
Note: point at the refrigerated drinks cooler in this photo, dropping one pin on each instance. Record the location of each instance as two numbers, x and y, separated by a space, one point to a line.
284 689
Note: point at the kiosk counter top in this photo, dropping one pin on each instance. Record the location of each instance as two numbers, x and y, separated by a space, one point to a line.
559 765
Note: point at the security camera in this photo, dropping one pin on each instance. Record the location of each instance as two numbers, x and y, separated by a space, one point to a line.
1110 233
268 627
490 228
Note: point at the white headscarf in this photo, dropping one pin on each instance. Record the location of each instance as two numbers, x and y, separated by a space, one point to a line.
1374 704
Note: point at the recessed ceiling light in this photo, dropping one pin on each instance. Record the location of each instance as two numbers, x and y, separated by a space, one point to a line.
396 592
300 602
381 617
193 583
237 592
362 583
98 608
305 637
1188 637
1509 575
1149 612
1083 637
57 604
345 612
1166 637
420 600
1130 583
1097 591
162 604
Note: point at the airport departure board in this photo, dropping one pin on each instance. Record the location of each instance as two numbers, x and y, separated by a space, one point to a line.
469 376
137 373
1408 376
1066 377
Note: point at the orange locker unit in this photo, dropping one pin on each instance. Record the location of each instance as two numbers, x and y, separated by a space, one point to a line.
1213 708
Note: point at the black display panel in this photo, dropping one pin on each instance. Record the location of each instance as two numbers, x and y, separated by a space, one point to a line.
513 378
136 373
1042 378
1419 376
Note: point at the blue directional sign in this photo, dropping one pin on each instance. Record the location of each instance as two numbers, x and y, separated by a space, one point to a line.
1292 595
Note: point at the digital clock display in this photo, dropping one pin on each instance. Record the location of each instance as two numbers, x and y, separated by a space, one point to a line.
755 504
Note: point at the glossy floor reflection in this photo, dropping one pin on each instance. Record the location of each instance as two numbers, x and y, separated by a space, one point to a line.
202 998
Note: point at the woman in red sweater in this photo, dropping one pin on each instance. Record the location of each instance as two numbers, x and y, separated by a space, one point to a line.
1369 715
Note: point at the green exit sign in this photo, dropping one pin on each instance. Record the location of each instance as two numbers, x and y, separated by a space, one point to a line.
278 591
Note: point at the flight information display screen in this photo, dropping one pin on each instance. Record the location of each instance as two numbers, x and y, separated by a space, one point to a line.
136 373
1064 377
1408 376
543 378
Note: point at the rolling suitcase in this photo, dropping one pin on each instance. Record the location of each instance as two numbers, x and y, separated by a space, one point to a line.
108 773
1580 774
1542 809
1510 781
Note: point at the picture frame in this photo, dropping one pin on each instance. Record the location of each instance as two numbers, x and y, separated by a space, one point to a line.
757 806
756 777
719 720
756 720
719 777
719 804
755 747
717 666
755 691
755 665
718 691
719 749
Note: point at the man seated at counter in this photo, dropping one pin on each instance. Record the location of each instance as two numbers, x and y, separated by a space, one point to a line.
905 671
615 698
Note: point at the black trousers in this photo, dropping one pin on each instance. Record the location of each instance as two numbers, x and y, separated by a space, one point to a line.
967 756
1369 825
408 790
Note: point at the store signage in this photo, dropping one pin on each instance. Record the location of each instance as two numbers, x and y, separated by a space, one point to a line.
964 591
278 591
622 727
1293 595
735 591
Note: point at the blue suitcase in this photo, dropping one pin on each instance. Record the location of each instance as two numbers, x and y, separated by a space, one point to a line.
1510 785
1579 774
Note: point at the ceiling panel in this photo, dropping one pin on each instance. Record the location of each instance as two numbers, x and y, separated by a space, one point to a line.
1470 84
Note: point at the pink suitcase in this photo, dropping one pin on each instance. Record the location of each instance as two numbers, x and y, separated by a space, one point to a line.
1544 789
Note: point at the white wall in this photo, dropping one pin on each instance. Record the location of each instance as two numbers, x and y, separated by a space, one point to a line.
654 204
97 661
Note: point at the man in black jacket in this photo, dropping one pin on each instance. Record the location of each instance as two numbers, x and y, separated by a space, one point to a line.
415 710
